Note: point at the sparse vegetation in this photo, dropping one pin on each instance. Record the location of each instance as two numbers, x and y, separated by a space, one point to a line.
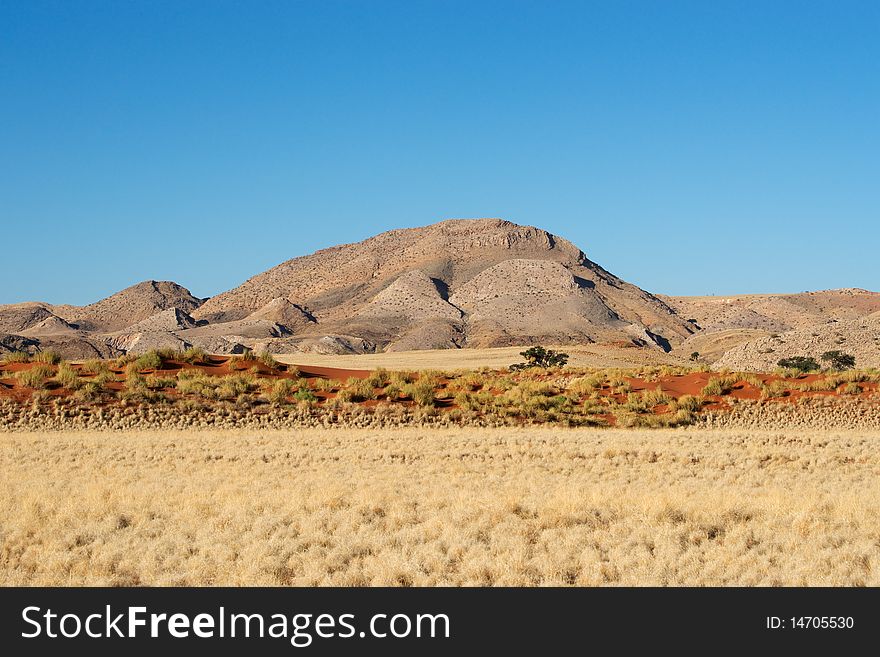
95 366
48 357
572 397
720 385
540 357
280 390
838 360
67 377
149 360
194 355
16 357
35 377
799 363
527 506
268 360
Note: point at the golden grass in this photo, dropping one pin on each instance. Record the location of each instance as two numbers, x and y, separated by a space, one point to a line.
430 507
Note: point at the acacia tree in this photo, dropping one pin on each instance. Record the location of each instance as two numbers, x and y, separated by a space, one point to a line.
837 360
540 357
800 363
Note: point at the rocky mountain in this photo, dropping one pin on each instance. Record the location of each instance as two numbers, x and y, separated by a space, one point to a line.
455 284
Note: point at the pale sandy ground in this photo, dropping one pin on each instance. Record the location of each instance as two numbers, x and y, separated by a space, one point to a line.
498 358
427 507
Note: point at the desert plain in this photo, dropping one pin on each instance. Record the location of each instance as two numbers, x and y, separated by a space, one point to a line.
351 417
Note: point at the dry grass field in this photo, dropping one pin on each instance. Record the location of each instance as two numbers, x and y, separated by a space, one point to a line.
517 506
594 355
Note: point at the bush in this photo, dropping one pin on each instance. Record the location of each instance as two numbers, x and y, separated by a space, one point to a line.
326 385
95 366
48 357
799 363
17 357
88 392
379 378
357 390
268 360
280 391
195 355
585 384
305 395
837 360
392 391
695 355
68 377
103 378
155 382
720 385
689 403
421 392
243 360
149 360
35 377
540 357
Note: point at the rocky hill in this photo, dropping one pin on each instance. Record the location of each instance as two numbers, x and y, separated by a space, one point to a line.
455 284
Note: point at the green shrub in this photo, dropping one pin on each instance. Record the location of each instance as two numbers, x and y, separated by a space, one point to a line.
402 378
357 390
268 360
142 395
837 360
585 384
776 389
89 391
540 357
242 361
689 403
169 353
95 366
326 385
48 357
35 377
391 391
720 385
305 396
421 392
194 355
149 360
645 401
280 390
68 377
156 382
17 357
135 381
379 378
799 363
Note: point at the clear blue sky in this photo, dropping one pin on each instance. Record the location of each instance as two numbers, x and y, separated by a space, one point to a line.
689 147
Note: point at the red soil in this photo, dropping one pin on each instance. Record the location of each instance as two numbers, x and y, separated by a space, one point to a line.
673 385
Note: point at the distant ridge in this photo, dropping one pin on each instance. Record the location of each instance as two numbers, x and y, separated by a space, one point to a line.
454 284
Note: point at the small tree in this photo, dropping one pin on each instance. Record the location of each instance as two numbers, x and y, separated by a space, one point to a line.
837 360
540 357
695 355
800 363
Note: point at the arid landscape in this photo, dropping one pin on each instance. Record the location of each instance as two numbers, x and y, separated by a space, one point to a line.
364 416
456 284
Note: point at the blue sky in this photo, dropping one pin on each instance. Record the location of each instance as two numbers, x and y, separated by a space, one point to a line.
689 147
